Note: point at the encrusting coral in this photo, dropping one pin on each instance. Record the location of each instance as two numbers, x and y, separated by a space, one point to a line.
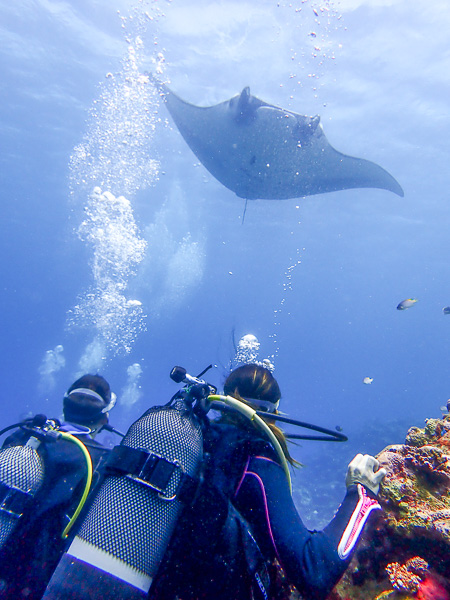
405 551
407 577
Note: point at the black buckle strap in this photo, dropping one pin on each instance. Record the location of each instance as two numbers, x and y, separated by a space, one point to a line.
13 500
152 470
188 489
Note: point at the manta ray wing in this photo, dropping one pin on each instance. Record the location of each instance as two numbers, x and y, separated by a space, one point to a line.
261 151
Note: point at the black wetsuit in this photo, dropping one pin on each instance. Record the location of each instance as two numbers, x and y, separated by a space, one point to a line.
29 557
244 474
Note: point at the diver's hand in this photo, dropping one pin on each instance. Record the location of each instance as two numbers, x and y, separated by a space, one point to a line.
365 469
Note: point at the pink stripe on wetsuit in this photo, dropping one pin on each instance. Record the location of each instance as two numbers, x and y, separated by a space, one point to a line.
246 473
310 559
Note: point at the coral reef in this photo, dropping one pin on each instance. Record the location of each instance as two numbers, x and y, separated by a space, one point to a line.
407 577
405 551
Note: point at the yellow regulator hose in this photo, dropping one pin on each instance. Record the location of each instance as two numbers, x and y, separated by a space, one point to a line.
250 413
87 487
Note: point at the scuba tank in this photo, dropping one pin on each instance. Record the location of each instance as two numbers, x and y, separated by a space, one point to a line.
21 475
22 472
122 540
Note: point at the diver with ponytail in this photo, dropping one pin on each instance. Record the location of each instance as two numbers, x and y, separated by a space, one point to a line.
313 561
245 536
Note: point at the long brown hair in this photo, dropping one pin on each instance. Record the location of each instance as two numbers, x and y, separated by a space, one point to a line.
253 381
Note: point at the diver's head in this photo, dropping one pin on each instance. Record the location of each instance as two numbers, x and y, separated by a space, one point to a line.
256 385
88 401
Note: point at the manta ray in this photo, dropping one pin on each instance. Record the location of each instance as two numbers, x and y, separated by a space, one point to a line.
262 151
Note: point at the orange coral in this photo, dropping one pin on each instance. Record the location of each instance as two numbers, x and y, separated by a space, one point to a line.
407 577
417 565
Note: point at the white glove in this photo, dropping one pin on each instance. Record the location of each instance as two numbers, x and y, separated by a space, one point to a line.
365 469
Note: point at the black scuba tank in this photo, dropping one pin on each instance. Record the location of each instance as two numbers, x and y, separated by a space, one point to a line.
120 544
21 477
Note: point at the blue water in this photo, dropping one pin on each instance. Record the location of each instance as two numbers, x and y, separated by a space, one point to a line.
317 279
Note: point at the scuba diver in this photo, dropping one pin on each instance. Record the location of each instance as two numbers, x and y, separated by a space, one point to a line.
194 508
244 525
67 458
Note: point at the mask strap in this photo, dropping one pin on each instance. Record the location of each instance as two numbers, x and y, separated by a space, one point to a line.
92 394
263 404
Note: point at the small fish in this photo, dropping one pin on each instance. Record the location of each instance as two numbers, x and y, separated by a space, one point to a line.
367 380
406 303
446 310
443 409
